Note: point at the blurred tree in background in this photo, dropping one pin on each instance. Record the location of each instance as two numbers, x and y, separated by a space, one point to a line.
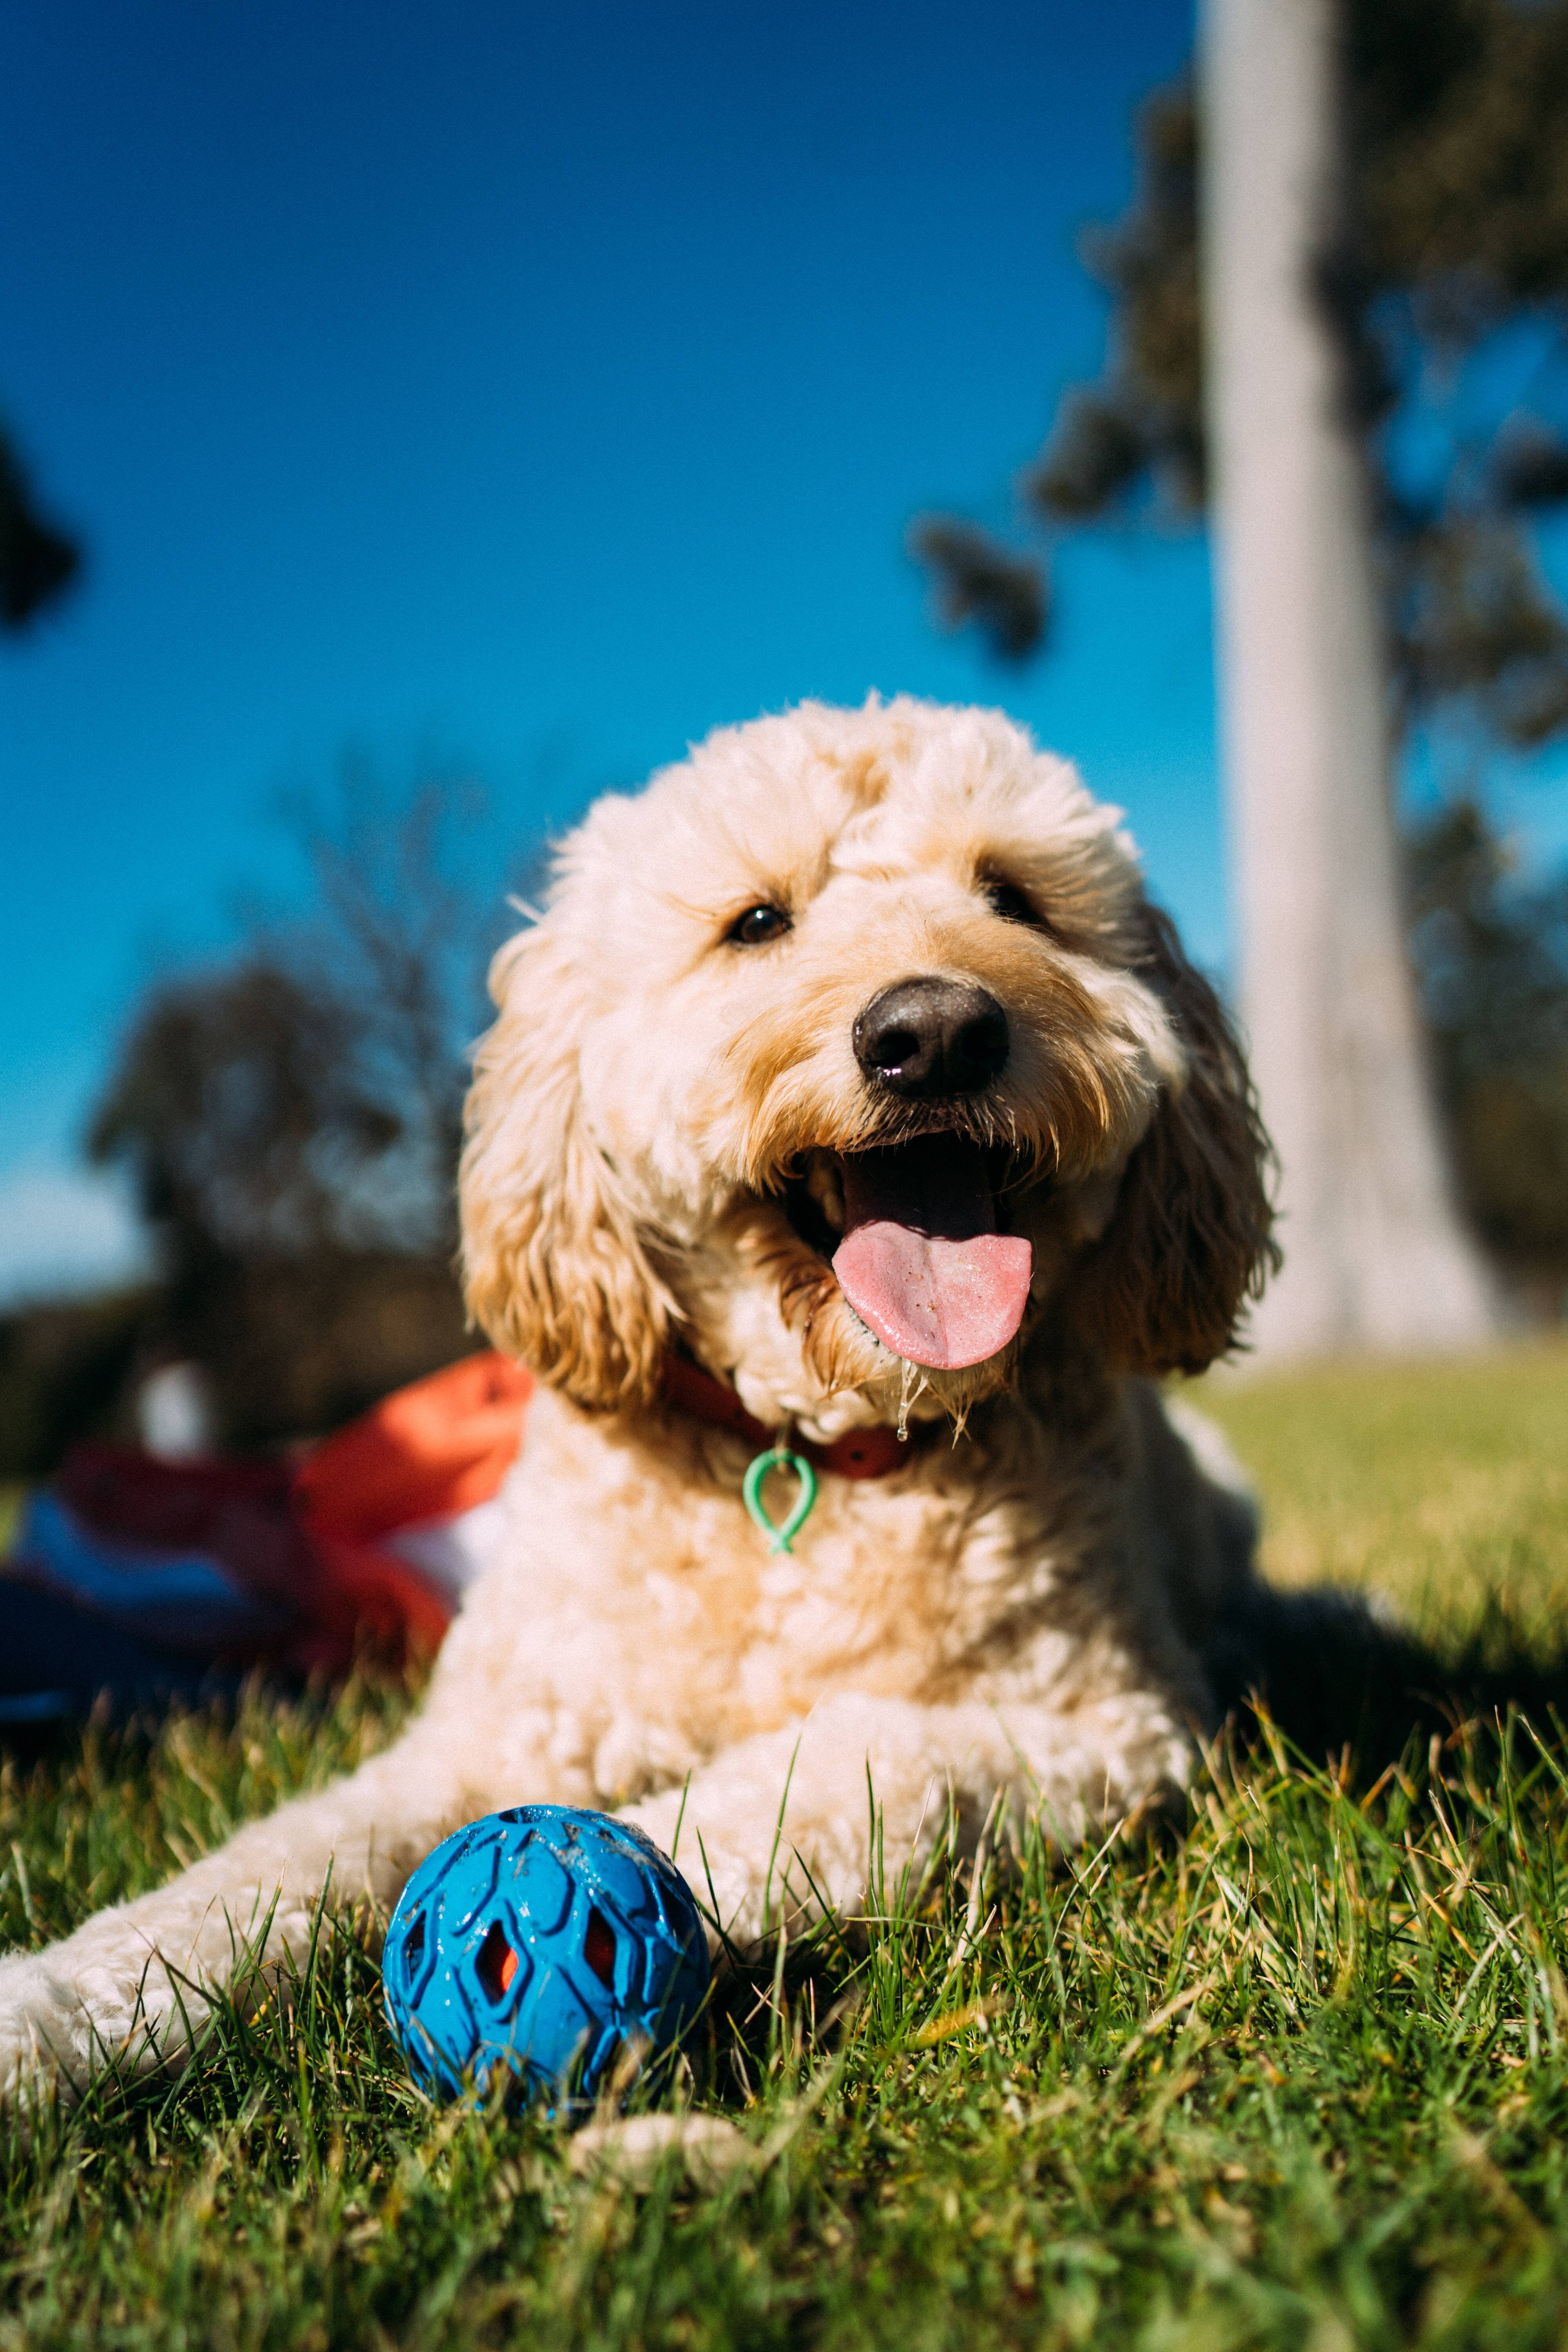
1448 286
290 1122
1445 281
308 1097
38 561
1491 956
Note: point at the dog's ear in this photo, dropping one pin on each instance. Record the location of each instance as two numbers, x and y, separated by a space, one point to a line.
1188 1242
554 1270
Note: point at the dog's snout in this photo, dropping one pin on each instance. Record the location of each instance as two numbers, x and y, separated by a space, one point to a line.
931 1038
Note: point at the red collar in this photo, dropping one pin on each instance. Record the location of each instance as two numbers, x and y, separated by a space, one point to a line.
861 1454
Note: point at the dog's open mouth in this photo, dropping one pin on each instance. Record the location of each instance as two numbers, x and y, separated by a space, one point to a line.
912 1233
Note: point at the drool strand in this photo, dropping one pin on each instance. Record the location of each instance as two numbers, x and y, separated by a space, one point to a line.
913 1385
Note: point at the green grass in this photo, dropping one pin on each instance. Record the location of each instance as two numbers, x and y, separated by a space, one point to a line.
1299 2079
1442 1485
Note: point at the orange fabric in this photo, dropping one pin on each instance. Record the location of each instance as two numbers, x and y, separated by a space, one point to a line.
439 1446
334 1596
426 1452
310 1542
367 1597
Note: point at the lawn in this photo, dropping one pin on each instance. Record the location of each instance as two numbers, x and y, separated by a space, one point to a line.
1301 2079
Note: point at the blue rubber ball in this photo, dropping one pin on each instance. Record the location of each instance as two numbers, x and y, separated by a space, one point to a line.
541 1940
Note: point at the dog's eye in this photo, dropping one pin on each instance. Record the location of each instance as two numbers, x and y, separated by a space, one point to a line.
1014 905
758 925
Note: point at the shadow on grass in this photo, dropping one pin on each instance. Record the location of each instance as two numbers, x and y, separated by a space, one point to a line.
1344 1685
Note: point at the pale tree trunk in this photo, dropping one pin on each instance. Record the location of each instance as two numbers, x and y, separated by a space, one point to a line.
1375 1257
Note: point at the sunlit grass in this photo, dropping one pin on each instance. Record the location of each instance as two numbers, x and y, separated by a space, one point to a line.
1437 1485
1298 2079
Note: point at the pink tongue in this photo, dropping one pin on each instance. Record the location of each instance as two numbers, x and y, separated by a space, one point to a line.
922 1262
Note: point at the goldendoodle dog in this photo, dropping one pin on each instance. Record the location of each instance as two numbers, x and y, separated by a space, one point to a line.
848 1092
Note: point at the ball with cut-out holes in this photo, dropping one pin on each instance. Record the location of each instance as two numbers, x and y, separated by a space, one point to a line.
542 1940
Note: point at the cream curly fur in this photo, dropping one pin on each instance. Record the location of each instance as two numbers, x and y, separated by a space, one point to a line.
1020 1613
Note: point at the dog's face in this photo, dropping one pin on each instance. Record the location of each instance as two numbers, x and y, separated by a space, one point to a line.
852 1044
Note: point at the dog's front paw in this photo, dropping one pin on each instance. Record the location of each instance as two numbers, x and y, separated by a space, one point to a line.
100 1999
749 1876
722 1879
46 2032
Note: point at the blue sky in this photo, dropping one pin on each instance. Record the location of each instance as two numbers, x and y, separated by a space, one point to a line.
531 390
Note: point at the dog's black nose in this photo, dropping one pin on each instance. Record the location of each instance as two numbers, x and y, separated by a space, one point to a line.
932 1037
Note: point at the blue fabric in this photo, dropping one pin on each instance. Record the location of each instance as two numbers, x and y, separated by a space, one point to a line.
56 1660
183 1599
